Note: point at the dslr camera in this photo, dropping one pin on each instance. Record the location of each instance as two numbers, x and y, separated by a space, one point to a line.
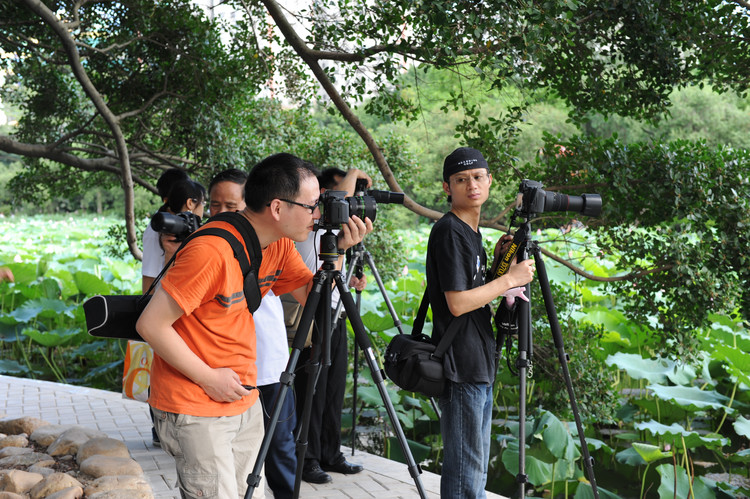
181 225
336 208
532 200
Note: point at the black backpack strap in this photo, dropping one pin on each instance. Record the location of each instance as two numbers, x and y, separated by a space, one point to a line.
246 230
249 270
244 227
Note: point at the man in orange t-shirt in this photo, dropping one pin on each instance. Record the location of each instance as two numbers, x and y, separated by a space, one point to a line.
203 334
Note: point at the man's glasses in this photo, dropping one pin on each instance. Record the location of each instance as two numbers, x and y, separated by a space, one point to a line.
479 178
310 207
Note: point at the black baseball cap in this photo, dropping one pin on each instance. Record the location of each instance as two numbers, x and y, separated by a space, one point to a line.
463 158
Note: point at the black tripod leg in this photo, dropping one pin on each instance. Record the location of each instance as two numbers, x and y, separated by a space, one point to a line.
563 358
319 356
522 364
377 376
355 381
287 377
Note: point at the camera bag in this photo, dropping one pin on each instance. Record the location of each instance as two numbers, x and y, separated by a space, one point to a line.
114 316
414 362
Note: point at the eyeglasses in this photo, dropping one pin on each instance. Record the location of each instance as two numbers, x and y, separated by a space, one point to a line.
310 207
479 178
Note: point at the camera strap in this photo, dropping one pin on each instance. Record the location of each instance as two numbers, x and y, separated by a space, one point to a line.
518 240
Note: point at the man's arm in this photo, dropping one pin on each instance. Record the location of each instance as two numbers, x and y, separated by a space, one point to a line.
461 302
155 326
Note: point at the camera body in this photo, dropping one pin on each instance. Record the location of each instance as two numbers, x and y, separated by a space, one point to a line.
336 208
181 225
532 200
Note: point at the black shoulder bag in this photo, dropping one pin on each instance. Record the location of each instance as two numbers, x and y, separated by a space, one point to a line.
114 316
413 362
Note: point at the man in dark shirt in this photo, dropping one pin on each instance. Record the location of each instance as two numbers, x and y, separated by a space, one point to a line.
456 265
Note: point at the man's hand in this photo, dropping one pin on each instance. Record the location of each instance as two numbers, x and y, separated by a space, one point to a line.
521 273
353 232
502 245
169 244
349 182
358 283
223 385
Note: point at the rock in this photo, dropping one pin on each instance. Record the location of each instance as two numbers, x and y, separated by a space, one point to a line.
103 447
45 435
53 483
14 451
71 439
11 495
43 468
19 481
14 441
134 484
69 493
27 459
17 426
99 466
121 494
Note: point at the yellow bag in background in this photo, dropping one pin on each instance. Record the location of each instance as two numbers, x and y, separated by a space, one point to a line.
136 377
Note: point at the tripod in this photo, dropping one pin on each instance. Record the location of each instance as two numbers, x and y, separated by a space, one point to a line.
319 301
523 363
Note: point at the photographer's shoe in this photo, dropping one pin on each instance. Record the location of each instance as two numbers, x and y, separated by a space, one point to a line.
155 438
344 467
314 474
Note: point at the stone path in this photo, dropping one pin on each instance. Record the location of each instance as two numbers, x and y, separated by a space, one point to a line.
128 421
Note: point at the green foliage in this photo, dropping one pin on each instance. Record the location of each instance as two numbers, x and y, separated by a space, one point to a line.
676 221
56 266
647 418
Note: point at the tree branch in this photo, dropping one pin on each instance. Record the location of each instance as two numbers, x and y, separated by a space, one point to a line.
307 56
103 164
69 46
627 277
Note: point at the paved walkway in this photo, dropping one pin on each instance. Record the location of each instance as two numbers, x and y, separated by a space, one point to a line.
128 421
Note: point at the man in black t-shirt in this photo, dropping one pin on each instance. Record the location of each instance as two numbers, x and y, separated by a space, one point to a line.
456 264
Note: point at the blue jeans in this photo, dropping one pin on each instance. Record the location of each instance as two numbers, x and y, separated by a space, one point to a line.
465 422
281 460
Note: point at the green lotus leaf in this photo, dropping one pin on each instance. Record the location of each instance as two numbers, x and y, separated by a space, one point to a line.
650 453
653 370
675 483
692 398
678 436
737 361
630 457
91 285
742 426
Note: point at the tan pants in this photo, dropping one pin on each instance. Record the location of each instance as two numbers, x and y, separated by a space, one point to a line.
213 455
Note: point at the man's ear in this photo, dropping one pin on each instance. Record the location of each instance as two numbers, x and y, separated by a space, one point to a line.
447 188
275 207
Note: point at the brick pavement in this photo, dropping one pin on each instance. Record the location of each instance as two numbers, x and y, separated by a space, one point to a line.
128 421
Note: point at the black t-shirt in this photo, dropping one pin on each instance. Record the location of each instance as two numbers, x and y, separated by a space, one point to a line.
456 261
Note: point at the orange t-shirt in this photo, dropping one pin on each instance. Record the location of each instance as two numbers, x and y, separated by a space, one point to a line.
206 282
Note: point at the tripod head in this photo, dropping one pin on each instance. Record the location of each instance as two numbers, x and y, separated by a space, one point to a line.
328 250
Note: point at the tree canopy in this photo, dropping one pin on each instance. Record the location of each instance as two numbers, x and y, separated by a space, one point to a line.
129 88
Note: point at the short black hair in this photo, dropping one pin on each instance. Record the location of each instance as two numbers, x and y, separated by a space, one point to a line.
229 175
276 177
183 190
168 179
327 178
